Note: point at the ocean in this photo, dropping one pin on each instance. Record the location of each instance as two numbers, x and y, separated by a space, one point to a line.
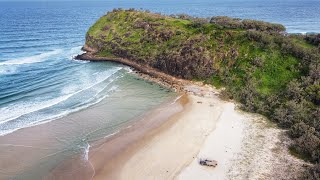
40 82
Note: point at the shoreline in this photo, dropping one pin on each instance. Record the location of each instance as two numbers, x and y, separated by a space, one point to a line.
213 143
101 154
162 152
65 139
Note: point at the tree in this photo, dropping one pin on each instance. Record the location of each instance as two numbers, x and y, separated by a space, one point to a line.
312 173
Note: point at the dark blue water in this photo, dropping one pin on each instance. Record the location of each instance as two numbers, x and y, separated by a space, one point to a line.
40 82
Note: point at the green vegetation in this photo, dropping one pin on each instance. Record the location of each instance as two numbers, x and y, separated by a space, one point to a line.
267 70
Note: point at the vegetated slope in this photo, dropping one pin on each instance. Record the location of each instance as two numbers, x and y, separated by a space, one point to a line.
267 70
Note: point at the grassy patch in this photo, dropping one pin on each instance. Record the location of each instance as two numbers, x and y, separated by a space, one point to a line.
106 53
296 154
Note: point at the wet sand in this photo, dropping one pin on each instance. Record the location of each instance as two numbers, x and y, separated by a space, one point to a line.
105 154
33 152
158 146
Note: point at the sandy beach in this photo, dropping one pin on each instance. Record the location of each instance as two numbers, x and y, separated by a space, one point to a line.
166 150
244 145
167 143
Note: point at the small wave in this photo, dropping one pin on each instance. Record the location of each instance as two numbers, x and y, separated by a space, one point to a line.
13 116
7 70
9 113
176 99
74 52
128 69
13 112
31 59
62 114
99 78
79 61
86 152
112 134
53 117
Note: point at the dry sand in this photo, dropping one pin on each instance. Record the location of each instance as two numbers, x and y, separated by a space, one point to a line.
221 145
171 150
245 145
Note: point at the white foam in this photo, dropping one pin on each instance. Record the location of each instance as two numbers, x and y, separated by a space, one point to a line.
14 111
74 52
7 70
92 81
176 99
112 134
86 152
31 59
128 69
62 114
79 61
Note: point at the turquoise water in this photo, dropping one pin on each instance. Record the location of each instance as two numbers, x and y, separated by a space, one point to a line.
40 82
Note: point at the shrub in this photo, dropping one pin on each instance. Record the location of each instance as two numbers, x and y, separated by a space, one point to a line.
184 16
313 39
313 93
262 26
236 23
311 173
198 22
227 22
290 113
294 90
309 144
298 129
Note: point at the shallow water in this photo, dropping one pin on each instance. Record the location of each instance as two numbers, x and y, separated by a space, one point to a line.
47 145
